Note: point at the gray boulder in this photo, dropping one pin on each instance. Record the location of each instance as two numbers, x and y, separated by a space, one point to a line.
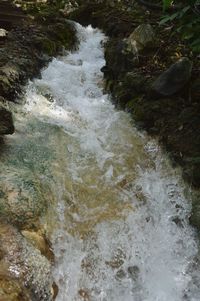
142 37
173 79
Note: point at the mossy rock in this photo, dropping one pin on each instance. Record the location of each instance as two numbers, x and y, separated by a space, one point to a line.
22 201
63 34
45 45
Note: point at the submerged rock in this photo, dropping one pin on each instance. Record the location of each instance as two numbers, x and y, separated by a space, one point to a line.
133 272
173 79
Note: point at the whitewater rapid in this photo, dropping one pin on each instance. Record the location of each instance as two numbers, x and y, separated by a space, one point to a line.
122 230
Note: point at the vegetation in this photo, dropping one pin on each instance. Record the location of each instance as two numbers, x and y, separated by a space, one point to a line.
185 19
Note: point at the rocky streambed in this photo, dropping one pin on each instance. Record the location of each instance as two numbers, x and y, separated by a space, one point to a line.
154 77
141 71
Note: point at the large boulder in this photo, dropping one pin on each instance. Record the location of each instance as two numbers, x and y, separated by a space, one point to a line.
173 79
142 37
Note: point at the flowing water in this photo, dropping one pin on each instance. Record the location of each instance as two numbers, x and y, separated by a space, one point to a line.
121 227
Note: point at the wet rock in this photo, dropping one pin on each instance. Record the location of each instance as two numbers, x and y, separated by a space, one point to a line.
40 242
133 272
142 37
173 79
21 198
118 61
195 216
132 84
120 274
12 290
55 290
84 294
28 48
115 264
6 121
3 34
25 265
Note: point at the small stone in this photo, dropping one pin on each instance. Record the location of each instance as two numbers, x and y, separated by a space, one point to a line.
3 33
84 294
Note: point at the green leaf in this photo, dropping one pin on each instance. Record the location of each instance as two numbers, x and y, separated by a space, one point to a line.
167 4
165 20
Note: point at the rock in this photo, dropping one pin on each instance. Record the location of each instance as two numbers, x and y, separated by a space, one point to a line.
12 290
9 80
6 121
40 242
173 79
21 197
69 8
142 37
120 274
195 215
27 267
3 33
133 272
195 90
117 59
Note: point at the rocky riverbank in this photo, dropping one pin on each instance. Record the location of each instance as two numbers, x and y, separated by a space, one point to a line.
29 38
28 42
154 76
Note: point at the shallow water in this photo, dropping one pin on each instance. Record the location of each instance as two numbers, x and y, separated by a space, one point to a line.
121 227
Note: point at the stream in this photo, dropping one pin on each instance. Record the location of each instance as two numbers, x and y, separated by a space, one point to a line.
121 217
